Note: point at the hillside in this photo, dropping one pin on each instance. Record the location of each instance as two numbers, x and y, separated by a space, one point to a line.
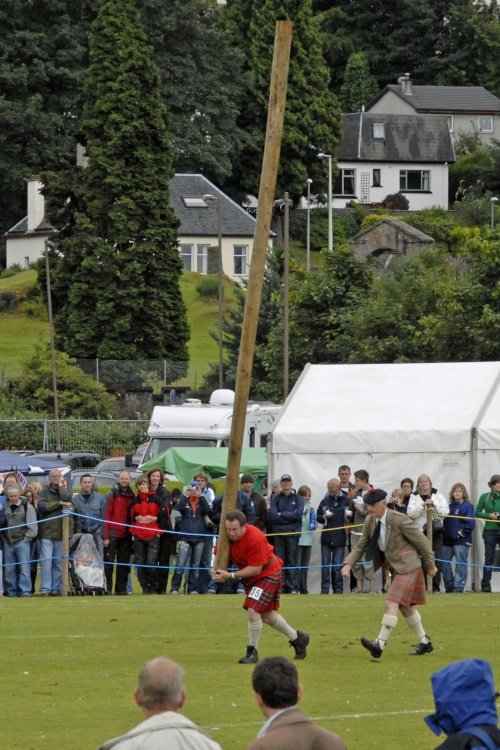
20 332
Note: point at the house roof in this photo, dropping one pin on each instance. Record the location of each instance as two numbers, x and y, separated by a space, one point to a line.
202 220
401 226
406 138
450 99
21 229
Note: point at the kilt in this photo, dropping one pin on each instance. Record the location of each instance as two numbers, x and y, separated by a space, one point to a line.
407 588
264 594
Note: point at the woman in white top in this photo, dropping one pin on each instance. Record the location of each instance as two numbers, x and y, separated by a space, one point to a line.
424 497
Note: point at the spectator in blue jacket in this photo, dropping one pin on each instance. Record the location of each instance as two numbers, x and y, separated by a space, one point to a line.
193 509
333 512
89 505
285 517
457 538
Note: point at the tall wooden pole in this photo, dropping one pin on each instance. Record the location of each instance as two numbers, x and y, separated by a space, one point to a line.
275 117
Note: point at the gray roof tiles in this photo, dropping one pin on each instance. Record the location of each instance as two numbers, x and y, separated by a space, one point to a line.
450 99
408 138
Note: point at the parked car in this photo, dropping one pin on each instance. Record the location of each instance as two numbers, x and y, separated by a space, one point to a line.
139 454
106 472
100 479
73 459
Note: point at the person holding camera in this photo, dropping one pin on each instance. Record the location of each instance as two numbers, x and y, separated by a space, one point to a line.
488 508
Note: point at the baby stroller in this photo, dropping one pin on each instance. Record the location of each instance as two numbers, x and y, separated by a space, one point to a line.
86 567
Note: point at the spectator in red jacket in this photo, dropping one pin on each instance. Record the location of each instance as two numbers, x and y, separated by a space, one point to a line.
145 534
117 541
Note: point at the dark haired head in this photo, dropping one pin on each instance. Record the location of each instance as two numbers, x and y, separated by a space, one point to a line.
276 680
362 474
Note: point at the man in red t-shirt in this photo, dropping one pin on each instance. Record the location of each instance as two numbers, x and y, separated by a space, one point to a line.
260 571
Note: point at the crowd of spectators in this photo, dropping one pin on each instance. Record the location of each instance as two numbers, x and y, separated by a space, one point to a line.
153 528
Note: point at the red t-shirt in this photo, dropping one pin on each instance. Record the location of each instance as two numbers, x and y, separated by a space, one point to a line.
254 549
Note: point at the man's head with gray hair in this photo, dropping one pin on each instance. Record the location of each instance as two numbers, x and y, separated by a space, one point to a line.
160 686
13 491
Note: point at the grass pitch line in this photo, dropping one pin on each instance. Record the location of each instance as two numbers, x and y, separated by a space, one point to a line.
330 717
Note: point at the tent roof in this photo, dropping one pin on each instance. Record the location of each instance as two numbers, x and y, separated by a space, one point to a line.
185 462
10 461
397 408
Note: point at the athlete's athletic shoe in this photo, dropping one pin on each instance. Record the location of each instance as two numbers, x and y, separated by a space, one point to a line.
422 648
299 645
251 656
373 647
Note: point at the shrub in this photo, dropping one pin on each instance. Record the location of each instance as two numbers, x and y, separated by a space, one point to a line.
208 287
10 271
396 201
8 300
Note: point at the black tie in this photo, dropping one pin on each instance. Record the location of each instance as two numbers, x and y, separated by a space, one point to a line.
373 543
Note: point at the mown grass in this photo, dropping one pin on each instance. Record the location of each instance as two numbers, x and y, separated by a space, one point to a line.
19 333
70 665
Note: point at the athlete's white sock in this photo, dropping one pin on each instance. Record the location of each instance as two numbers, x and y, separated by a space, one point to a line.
282 626
414 622
388 623
254 633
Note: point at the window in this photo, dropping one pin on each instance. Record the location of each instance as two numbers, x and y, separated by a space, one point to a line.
485 123
345 182
450 123
378 131
201 258
415 179
194 201
240 260
376 180
187 257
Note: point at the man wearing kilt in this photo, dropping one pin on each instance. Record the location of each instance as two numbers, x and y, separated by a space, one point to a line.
391 538
260 571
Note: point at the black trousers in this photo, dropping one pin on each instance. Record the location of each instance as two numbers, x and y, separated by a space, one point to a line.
119 549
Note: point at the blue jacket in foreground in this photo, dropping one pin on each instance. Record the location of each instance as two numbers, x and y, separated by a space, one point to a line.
285 513
459 530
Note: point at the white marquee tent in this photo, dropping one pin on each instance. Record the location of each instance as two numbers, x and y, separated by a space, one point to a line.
393 420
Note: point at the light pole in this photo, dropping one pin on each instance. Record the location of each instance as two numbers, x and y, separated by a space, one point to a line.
209 198
308 234
330 193
494 202
49 244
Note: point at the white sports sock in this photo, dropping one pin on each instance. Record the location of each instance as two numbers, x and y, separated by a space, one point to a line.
282 626
254 633
388 623
414 622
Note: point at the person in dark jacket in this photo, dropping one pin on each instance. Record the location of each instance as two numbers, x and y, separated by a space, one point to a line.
261 510
333 513
53 499
457 538
193 510
464 697
285 517
19 531
117 541
89 505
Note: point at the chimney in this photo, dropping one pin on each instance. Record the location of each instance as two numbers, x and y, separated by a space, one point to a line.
36 203
406 84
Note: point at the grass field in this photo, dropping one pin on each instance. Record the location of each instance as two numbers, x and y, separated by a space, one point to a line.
19 334
70 665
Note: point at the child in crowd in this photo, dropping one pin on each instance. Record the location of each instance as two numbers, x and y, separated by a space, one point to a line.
306 537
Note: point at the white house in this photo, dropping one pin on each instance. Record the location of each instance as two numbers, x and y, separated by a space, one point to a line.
383 154
198 231
468 109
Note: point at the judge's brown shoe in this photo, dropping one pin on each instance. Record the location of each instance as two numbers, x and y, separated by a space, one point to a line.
373 647
422 648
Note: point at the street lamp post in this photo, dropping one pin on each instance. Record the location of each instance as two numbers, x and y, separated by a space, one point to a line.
494 201
49 244
209 198
330 198
308 234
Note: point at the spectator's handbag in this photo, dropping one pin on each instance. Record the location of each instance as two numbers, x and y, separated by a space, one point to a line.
437 526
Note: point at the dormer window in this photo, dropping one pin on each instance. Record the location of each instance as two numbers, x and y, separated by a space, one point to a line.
378 131
194 201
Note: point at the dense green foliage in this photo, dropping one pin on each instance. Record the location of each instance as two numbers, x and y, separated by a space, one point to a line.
359 85
79 395
116 273
312 116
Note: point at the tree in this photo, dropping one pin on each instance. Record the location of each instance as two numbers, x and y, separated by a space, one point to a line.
42 66
116 274
79 395
359 85
202 83
312 115
321 306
